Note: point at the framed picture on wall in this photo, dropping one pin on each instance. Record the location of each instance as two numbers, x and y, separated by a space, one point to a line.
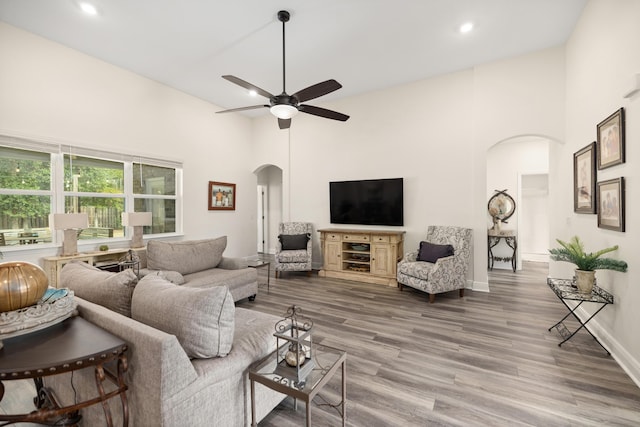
222 196
611 204
584 180
611 140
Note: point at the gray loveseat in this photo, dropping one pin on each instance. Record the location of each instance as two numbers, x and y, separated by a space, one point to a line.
189 350
200 263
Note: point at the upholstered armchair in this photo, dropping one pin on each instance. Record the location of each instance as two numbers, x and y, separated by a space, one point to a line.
438 267
293 248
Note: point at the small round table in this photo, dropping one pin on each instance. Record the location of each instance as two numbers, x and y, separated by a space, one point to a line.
64 347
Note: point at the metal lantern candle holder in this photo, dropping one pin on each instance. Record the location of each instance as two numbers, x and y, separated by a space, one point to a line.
295 350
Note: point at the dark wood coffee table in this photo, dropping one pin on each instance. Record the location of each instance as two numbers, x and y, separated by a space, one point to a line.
67 346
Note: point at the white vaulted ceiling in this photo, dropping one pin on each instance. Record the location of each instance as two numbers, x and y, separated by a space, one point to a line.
366 45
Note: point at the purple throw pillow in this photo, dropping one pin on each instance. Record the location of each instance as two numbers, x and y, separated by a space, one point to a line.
430 252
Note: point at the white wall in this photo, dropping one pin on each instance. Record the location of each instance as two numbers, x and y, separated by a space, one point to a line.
53 93
602 58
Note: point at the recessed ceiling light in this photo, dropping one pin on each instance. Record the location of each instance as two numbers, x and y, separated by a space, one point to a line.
253 93
88 8
466 27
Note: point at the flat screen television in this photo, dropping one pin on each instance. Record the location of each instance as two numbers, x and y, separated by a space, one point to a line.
367 202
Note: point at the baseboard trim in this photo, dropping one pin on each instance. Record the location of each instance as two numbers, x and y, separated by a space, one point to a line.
478 286
626 361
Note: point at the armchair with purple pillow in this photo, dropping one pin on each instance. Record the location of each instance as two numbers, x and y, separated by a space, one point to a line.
441 262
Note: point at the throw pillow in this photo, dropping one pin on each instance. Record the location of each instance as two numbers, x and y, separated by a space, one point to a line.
172 276
290 242
186 257
202 319
430 252
110 290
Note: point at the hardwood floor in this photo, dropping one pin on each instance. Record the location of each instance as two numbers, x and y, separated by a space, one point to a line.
485 359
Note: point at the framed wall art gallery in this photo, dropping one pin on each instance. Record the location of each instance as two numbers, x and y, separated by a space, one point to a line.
611 203
584 180
611 140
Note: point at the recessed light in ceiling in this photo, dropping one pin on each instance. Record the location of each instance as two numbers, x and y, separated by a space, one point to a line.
253 93
466 27
88 8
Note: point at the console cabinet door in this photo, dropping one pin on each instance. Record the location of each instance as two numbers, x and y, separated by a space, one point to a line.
382 260
332 255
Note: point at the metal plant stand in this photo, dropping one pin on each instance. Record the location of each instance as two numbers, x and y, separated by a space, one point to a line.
565 290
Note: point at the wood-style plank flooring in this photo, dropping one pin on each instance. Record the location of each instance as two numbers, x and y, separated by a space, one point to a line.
484 360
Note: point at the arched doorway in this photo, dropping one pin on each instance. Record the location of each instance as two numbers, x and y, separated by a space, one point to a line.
270 206
520 165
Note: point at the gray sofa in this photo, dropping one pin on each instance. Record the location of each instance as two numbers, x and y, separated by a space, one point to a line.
200 263
189 350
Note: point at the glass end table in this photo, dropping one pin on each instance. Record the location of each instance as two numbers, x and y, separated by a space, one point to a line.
260 264
326 362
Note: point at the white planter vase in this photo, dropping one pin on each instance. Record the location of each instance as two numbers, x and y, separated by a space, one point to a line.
585 281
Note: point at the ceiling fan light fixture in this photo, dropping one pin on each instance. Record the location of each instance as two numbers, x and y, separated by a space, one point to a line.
283 111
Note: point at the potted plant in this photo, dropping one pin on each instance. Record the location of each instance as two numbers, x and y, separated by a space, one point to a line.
586 263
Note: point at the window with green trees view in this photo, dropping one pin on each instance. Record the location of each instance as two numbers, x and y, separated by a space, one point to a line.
34 184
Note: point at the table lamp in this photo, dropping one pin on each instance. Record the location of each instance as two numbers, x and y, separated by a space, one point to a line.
70 223
136 220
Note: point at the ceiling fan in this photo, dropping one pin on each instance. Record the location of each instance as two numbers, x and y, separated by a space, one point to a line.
285 106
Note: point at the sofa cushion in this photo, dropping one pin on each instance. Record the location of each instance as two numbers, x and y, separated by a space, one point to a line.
201 318
290 242
185 257
172 276
430 252
110 290
220 277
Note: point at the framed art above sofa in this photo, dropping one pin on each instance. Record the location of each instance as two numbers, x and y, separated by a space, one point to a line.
222 196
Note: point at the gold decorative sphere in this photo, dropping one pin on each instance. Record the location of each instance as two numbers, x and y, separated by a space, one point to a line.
21 284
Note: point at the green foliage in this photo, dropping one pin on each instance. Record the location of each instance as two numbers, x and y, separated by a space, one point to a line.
573 252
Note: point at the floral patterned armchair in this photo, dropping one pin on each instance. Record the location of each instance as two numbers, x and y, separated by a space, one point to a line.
445 274
293 248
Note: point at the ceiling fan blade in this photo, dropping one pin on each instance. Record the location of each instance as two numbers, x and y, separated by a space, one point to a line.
232 110
317 90
248 86
323 112
284 123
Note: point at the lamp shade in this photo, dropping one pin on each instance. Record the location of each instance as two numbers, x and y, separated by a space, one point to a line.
133 219
69 221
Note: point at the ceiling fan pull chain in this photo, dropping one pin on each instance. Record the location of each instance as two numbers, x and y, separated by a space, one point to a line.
283 16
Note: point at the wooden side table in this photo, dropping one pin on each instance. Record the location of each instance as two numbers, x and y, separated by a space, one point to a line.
67 346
